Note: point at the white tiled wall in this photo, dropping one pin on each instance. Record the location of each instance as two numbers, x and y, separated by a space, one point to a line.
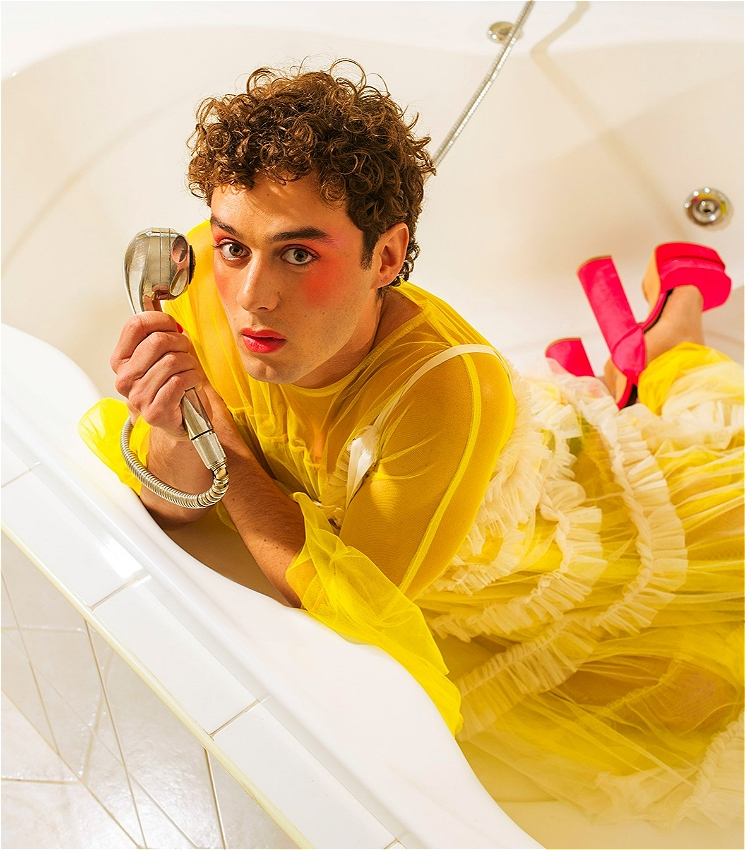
91 757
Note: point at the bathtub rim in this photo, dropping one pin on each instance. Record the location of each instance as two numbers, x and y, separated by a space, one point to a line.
389 791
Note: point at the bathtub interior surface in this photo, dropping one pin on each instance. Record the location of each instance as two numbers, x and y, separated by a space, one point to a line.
212 543
306 673
571 155
32 33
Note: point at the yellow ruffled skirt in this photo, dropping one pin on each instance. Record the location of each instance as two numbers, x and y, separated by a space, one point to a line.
593 620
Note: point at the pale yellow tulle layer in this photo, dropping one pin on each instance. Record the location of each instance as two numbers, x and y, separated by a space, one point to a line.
596 634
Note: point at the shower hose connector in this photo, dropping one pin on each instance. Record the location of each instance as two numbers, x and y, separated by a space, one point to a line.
204 440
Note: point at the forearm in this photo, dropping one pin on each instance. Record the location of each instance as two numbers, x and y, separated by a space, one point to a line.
270 524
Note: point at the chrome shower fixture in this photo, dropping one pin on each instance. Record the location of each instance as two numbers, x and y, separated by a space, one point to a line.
501 32
158 266
507 41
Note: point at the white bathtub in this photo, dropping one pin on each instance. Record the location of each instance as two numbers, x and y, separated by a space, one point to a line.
604 119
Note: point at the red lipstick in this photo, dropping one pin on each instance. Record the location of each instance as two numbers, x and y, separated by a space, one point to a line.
262 341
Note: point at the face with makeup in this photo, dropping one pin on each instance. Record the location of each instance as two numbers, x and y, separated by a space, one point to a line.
288 269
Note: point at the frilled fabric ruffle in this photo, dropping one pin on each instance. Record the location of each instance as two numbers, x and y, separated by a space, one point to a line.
609 545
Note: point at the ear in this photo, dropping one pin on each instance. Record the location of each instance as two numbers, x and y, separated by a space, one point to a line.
390 253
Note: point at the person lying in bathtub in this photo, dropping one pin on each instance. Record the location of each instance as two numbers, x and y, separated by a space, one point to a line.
563 575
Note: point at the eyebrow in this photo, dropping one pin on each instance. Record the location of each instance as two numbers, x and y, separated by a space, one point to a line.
283 236
302 233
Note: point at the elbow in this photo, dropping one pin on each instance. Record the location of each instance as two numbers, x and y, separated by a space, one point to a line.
293 600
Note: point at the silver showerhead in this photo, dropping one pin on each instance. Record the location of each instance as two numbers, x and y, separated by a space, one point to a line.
158 266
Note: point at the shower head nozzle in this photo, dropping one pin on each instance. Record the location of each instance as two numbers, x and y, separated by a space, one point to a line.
158 266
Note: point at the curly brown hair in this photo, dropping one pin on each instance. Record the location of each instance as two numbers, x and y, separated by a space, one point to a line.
290 124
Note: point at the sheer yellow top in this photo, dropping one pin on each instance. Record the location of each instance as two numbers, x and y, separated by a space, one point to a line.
371 550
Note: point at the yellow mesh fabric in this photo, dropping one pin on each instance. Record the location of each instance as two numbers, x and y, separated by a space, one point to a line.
578 569
364 563
101 429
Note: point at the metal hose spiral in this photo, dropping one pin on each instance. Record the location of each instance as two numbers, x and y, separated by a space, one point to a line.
165 491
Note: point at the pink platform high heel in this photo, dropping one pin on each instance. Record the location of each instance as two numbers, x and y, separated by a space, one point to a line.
673 264
570 353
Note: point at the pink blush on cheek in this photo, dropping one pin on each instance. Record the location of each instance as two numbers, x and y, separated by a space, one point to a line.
224 289
321 285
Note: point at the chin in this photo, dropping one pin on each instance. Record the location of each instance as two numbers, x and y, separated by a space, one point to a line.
269 373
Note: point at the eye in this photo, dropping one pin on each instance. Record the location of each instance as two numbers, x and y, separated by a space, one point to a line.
232 251
297 256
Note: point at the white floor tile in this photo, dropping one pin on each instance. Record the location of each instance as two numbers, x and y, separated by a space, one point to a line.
162 755
106 778
64 659
160 830
43 815
36 601
43 804
25 754
20 685
73 736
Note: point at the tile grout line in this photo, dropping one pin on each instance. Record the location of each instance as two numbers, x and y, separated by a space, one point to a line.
235 717
116 736
21 474
220 824
97 720
33 672
139 577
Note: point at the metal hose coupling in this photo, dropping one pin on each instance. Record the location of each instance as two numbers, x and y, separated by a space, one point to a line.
210 497
204 440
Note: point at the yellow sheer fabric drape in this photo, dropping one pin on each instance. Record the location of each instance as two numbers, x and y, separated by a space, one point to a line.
364 562
578 570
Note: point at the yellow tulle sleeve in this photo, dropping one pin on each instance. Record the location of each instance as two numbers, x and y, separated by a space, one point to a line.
101 428
341 587
406 522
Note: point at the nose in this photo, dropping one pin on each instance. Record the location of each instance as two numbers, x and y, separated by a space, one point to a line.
258 290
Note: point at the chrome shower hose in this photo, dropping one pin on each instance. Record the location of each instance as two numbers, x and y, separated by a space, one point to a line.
165 491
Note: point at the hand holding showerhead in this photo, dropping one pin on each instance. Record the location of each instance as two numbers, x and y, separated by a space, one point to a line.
158 266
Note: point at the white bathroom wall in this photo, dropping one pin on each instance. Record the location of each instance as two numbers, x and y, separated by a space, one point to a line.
36 29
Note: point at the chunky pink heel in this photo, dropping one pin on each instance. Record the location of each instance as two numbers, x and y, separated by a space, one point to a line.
684 264
571 355
673 264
